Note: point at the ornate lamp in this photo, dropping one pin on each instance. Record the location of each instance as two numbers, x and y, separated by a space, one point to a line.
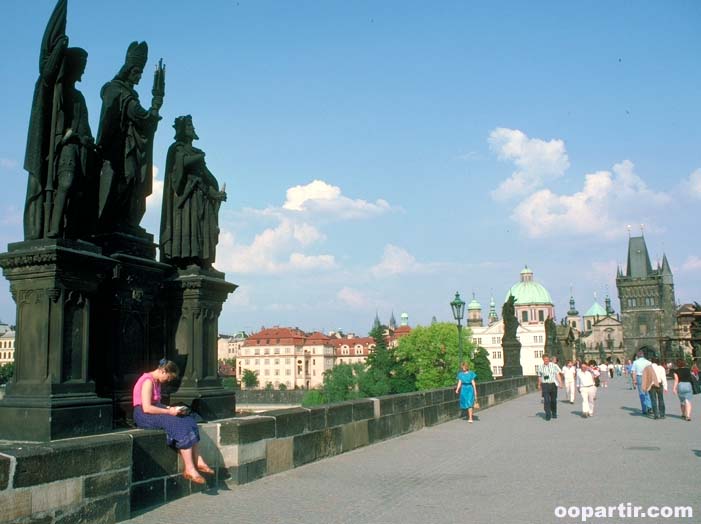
458 307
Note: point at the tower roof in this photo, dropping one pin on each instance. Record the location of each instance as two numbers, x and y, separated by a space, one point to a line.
474 304
596 310
638 258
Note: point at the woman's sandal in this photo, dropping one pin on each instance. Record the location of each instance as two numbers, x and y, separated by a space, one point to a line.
196 479
205 469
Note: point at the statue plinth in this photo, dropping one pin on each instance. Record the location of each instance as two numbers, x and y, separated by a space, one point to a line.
129 327
512 359
194 302
54 284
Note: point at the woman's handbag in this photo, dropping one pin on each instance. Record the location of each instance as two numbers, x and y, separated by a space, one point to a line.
476 405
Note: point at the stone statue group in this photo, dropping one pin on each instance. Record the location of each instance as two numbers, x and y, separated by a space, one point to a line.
82 188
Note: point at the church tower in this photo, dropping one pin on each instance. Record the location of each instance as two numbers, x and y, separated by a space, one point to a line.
647 300
573 318
474 313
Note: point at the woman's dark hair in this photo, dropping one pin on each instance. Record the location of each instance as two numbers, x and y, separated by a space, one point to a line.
168 366
681 363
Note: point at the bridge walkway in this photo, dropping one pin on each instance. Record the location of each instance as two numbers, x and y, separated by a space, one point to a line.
509 467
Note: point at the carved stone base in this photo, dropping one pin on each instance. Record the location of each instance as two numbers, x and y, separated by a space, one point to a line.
128 329
194 301
512 359
52 395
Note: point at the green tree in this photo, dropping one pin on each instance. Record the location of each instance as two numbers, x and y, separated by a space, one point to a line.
431 354
250 379
282 386
376 379
313 397
482 365
269 386
341 382
6 372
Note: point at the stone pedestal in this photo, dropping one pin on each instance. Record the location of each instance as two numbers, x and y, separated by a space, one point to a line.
129 320
512 359
54 284
194 299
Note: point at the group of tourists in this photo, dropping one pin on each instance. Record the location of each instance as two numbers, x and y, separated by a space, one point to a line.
648 377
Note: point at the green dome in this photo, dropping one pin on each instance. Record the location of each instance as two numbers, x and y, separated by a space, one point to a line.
595 311
528 291
474 304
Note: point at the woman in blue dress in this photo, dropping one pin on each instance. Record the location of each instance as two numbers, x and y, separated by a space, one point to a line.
468 390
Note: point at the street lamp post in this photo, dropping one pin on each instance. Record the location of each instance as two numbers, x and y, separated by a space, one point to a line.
458 307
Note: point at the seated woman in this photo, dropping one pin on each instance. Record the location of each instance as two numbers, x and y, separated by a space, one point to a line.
181 430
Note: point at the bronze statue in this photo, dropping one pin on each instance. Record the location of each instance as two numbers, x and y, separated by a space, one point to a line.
125 138
59 142
191 200
508 314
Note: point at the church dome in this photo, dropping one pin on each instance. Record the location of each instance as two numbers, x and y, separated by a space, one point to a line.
528 291
474 304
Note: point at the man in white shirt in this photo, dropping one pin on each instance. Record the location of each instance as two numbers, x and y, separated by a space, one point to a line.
569 374
636 371
548 382
656 392
586 387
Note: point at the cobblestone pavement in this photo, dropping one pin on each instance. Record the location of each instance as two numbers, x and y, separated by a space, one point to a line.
509 467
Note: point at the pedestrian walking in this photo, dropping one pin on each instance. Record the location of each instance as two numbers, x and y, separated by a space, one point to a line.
657 392
682 388
587 389
467 389
604 374
569 374
636 371
548 382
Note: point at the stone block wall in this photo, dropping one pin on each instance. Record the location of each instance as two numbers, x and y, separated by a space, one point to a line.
108 478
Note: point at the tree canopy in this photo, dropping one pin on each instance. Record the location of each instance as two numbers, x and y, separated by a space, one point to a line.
431 354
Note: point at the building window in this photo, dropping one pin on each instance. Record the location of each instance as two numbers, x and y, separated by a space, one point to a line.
277 361
632 302
266 362
248 361
541 315
277 372
266 372
573 324
496 370
538 353
524 316
643 330
266 351
287 361
496 355
257 362
588 324
277 351
288 372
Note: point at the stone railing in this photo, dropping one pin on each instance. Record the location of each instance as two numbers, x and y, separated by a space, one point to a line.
108 478
262 396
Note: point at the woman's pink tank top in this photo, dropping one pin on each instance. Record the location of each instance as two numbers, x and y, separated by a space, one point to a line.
136 395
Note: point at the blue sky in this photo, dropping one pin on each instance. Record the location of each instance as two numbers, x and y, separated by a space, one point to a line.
379 156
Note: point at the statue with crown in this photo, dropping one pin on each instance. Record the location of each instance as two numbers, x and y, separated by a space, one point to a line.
125 139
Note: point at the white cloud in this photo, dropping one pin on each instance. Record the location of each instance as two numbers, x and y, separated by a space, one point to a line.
692 263
152 217
9 164
272 251
692 185
537 161
353 298
397 261
323 198
607 202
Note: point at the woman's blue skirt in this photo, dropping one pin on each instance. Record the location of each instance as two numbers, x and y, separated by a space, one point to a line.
181 432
